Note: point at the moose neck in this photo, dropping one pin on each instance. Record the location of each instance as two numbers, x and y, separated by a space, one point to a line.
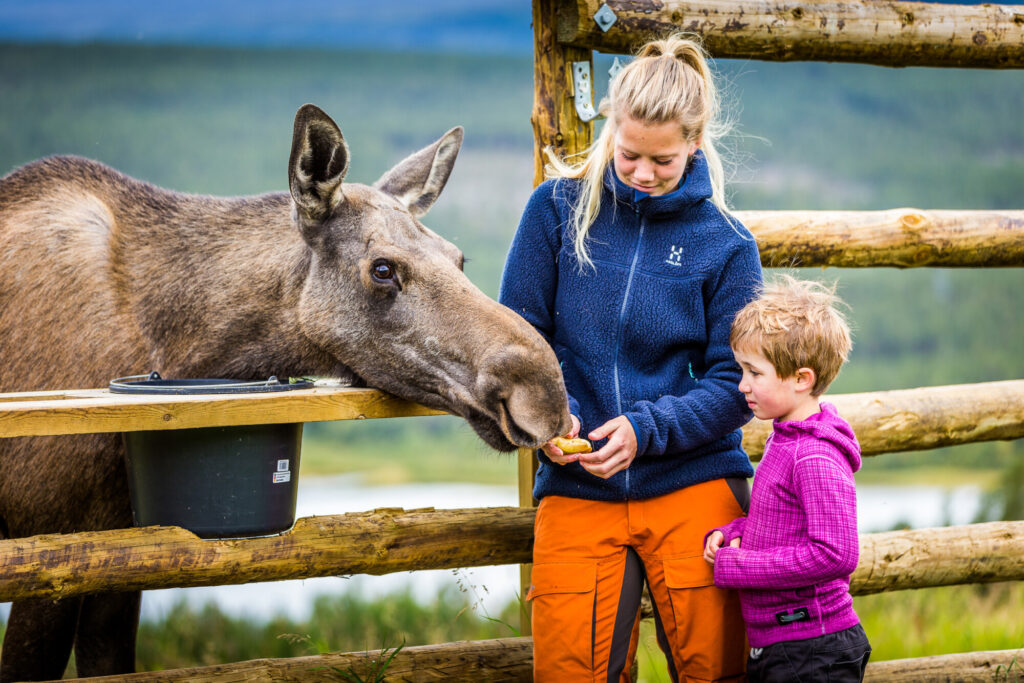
233 314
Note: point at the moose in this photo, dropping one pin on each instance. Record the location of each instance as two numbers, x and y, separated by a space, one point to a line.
103 275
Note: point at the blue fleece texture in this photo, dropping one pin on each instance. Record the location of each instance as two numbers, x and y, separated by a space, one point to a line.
646 333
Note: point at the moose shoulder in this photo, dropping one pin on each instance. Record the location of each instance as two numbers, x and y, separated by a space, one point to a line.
103 275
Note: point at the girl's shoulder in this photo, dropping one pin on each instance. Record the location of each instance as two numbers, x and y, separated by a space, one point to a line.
556 194
727 227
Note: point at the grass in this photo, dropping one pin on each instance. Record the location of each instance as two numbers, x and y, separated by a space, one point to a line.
931 621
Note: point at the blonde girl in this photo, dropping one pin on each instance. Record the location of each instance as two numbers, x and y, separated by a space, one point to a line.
631 267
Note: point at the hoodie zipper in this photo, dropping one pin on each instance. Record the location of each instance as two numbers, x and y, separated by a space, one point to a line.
622 319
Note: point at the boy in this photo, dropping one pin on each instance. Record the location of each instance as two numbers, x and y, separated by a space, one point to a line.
792 556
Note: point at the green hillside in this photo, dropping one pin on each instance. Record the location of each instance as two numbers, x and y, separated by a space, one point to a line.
816 136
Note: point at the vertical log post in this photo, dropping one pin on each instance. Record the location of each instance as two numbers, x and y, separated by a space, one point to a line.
555 125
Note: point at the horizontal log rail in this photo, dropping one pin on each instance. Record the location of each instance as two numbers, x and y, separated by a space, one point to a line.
99 410
501 660
944 556
921 419
382 541
394 540
992 666
884 33
898 238
886 421
511 659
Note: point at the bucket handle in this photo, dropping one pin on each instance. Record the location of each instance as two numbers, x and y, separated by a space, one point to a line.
123 382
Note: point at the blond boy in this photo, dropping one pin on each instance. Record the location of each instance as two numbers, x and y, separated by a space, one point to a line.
792 556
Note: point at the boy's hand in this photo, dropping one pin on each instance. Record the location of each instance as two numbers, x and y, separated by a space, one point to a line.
556 454
711 547
714 543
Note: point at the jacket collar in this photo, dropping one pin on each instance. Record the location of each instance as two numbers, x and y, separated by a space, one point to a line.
694 187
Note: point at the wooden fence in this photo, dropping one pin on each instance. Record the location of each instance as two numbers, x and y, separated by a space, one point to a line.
390 540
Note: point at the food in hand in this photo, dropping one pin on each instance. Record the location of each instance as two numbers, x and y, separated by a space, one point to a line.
572 445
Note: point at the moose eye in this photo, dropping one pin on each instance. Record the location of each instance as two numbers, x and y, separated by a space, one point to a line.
383 271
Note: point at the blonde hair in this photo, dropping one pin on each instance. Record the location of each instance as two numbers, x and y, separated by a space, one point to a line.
795 324
669 80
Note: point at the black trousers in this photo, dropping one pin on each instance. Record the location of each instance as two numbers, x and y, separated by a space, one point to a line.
831 658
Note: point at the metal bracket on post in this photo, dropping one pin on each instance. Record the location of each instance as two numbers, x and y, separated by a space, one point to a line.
614 69
605 17
583 96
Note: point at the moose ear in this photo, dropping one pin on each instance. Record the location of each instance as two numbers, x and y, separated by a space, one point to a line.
417 180
317 165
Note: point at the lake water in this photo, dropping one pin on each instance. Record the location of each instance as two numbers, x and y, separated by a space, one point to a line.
879 508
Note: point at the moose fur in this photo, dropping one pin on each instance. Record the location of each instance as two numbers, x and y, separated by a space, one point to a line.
102 275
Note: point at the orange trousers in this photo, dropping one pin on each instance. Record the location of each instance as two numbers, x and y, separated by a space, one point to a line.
590 560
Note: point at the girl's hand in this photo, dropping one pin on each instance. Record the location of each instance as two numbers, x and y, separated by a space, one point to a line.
617 454
555 453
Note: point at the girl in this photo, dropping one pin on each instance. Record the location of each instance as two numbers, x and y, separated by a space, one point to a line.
632 268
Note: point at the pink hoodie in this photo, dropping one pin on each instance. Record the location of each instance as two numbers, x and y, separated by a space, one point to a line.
799 541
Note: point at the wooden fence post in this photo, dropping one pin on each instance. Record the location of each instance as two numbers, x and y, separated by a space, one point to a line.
555 125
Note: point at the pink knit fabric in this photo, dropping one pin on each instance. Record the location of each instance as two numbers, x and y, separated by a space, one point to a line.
799 543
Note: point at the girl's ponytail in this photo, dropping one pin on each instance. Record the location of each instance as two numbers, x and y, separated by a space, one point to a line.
669 80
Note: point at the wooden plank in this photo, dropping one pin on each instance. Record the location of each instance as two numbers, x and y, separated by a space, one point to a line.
555 122
921 419
885 421
379 542
527 473
945 556
84 412
507 660
393 540
991 666
899 238
885 33
511 659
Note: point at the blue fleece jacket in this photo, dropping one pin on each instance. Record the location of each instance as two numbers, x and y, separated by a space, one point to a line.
646 333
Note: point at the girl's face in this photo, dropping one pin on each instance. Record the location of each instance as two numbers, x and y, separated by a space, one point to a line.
651 157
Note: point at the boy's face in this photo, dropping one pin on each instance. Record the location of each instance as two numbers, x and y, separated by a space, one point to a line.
768 395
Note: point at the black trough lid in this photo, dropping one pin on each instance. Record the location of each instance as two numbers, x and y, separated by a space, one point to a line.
153 383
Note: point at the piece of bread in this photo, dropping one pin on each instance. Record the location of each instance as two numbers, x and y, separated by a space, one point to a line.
572 445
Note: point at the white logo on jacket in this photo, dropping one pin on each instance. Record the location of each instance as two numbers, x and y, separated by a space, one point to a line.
675 256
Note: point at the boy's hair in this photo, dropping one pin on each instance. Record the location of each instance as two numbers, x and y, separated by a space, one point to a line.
795 324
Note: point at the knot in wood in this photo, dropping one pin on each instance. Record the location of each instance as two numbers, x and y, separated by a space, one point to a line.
913 221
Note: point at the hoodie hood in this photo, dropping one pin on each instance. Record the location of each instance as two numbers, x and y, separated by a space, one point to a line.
826 425
694 187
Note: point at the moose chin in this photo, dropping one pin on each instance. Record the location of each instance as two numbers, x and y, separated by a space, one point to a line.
102 274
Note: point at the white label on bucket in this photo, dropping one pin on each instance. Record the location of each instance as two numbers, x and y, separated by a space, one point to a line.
282 477
282 465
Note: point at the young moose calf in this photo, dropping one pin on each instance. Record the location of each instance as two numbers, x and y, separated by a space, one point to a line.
102 275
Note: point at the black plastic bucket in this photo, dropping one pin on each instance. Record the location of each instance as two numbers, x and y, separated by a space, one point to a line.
217 482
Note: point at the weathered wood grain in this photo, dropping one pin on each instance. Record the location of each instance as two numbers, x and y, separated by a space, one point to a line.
921 419
505 660
554 119
386 541
90 411
511 659
885 33
378 542
899 238
993 666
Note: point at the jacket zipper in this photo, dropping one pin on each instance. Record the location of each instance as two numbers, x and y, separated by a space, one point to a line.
622 318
